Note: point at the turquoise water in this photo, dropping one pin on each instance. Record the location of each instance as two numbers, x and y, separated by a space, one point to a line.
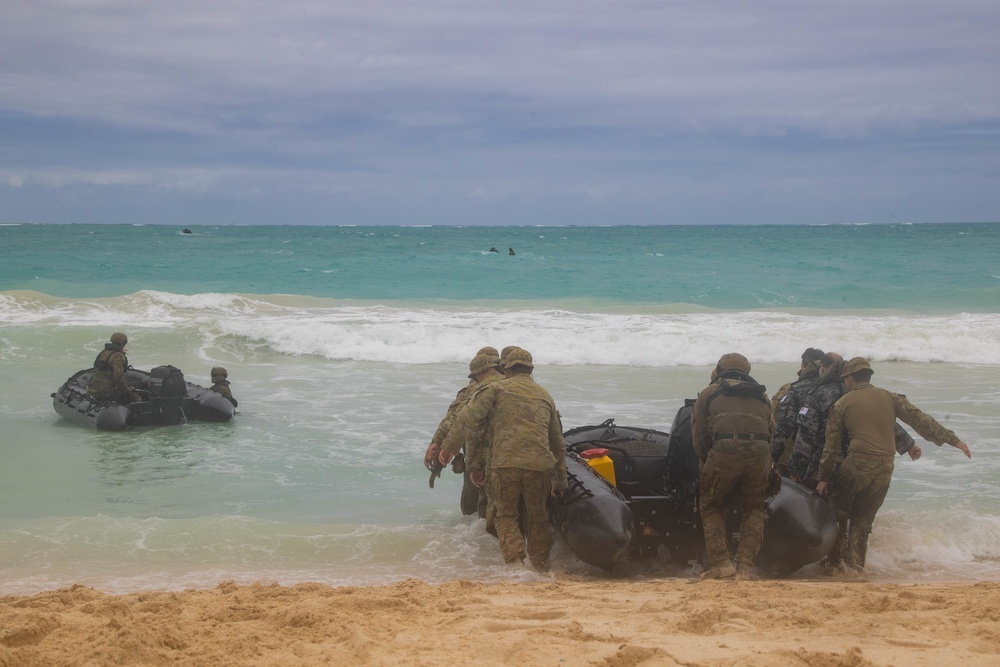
914 267
346 344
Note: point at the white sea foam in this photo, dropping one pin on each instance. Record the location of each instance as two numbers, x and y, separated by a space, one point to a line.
436 333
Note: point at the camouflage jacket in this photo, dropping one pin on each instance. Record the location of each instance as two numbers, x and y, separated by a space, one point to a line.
459 402
109 373
222 387
716 413
522 427
475 442
867 416
786 408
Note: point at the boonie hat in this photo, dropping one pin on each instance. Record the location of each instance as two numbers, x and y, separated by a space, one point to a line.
119 339
854 365
480 363
734 361
488 351
519 357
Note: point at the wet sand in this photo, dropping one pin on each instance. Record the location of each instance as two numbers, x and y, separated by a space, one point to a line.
564 621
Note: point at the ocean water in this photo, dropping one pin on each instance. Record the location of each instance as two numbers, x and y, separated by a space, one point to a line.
346 344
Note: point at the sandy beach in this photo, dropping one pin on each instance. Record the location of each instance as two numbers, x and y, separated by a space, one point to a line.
564 621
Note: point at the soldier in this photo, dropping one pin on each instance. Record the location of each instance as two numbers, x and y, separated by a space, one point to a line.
108 381
731 429
868 414
470 500
785 406
804 465
483 370
527 456
220 384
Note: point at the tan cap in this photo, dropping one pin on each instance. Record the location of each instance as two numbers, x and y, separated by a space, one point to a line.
854 365
488 351
219 370
119 339
519 357
480 363
734 361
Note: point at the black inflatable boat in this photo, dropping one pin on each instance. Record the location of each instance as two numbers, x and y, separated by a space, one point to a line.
653 503
166 399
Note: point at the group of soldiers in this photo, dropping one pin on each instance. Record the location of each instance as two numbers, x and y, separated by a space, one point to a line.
514 452
831 429
107 383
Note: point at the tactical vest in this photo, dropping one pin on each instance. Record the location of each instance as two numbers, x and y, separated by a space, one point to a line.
102 361
736 384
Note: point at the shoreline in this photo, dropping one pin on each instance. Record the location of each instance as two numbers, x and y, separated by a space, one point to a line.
563 620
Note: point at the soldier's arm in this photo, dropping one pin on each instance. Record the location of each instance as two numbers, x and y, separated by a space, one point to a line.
831 445
460 401
699 428
928 427
785 425
466 423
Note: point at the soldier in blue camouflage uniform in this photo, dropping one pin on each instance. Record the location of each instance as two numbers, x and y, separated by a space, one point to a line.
812 419
526 457
108 380
731 430
785 406
867 415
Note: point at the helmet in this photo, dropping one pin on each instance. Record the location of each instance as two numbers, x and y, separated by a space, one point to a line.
119 339
504 352
219 370
734 361
854 365
480 363
519 357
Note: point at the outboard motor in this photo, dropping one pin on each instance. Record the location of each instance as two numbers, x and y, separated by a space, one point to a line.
169 389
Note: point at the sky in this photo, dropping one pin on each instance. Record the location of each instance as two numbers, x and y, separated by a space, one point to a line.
463 112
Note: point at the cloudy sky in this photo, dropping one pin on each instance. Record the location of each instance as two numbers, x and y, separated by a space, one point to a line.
196 112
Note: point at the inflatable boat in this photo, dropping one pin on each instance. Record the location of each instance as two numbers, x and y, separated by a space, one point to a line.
166 399
633 493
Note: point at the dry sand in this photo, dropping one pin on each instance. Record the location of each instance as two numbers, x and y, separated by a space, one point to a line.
561 622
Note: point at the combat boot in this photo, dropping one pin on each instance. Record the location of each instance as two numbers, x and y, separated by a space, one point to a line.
746 572
723 570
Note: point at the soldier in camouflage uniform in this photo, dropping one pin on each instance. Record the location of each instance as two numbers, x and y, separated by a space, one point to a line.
867 414
785 406
108 380
731 430
803 467
220 384
527 456
482 369
470 500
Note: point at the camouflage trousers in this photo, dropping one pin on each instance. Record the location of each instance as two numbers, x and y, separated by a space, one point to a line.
506 488
731 465
859 490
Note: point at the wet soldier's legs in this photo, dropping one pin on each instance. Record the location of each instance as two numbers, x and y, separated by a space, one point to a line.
718 476
535 488
873 480
753 486
505 492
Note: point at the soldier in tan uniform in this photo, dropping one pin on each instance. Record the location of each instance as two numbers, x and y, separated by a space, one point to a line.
108 381
482 368
527 456
731 429
220 384
868 415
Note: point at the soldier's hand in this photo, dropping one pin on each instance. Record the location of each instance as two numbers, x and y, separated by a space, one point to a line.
964 448
445 457
915 452
821 489
431 454
477 477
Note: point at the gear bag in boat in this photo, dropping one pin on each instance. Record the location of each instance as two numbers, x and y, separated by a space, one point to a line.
169 389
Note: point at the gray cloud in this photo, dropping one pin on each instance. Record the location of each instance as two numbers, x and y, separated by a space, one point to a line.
560 112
